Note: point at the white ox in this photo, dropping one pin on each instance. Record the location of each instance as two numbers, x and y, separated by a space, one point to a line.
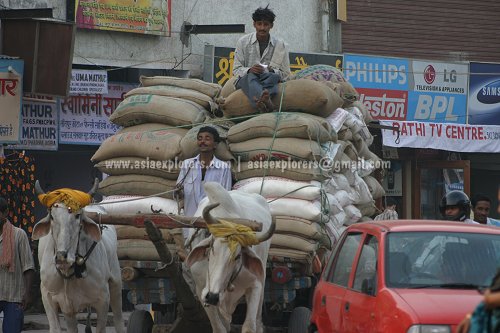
66 238
223 277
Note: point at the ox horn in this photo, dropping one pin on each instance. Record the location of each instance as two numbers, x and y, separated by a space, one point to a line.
38 188
269 233
94 187
206 214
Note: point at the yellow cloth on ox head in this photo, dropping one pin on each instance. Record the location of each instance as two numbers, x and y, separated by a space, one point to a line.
234 233
73 199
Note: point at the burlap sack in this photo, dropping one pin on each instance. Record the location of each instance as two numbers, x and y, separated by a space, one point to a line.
137 185
140 109
158 145
320 72
376 189
299 95
189 144
152 127
246 170
282 125
140 166
139 249
277 149
288 255
229 87
298 226
274 187
367 209
209 89
293 242
349 150
173 91
127 204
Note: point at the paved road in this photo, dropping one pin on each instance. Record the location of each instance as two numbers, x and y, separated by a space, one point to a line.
38 323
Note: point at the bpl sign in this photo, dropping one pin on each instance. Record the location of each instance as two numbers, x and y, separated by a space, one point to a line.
439 92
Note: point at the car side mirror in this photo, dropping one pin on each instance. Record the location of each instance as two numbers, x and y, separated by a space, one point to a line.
368 286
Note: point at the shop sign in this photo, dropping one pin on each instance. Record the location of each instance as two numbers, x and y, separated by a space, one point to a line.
138 16
385 104
39 130
438 92
84 119
224 61
484 94
451 137
11 81
85 82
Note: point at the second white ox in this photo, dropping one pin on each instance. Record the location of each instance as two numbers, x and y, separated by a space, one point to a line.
223 268
78 266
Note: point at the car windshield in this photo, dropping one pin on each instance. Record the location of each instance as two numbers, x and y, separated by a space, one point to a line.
441 260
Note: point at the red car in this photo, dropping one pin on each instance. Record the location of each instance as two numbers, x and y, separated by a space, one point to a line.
405 277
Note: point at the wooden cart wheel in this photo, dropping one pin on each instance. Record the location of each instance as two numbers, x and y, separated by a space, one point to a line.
140 321
299 320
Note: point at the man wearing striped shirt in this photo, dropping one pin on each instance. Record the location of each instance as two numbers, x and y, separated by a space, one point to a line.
261 61
390 211
16 272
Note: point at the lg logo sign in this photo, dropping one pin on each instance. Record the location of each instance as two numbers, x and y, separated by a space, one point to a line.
430 75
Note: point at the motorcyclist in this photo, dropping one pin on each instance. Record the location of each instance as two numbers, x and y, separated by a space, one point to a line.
455 206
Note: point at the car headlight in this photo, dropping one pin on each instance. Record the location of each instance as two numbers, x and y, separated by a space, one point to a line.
429 329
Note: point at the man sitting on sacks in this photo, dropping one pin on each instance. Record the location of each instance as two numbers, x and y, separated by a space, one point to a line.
261 62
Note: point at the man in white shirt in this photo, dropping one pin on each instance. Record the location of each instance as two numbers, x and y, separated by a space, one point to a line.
261 61
389 212
481 205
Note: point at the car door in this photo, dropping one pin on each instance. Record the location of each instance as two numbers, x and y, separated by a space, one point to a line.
336 282
359 303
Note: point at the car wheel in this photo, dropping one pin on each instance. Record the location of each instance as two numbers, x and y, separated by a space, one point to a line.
299 320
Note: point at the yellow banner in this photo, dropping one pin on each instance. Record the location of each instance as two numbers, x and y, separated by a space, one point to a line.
138 16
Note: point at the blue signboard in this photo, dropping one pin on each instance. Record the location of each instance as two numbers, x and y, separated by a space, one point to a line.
376 72
484 94
437 107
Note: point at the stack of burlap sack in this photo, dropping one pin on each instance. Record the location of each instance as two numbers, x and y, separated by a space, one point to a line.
307 160
160 123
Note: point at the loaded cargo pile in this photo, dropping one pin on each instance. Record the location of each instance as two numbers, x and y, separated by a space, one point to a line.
310 158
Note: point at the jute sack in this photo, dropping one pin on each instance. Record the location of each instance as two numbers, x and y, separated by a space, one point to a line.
130 232
127 204
229 87
300 95
298 226
349 150
139 249
353 214
305 209
158 145
140 109
173 91
153 127
137 185
140 166
189 144
276 187
376 189
367 209
246 170
278 149
293 242
320 72
282 125
209 89
288 255
345 134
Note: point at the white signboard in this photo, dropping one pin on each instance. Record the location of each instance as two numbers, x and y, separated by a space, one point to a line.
39 130
440 77
451 137
88 82
10 106
84 119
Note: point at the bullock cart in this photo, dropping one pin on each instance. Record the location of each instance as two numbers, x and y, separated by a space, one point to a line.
160 283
